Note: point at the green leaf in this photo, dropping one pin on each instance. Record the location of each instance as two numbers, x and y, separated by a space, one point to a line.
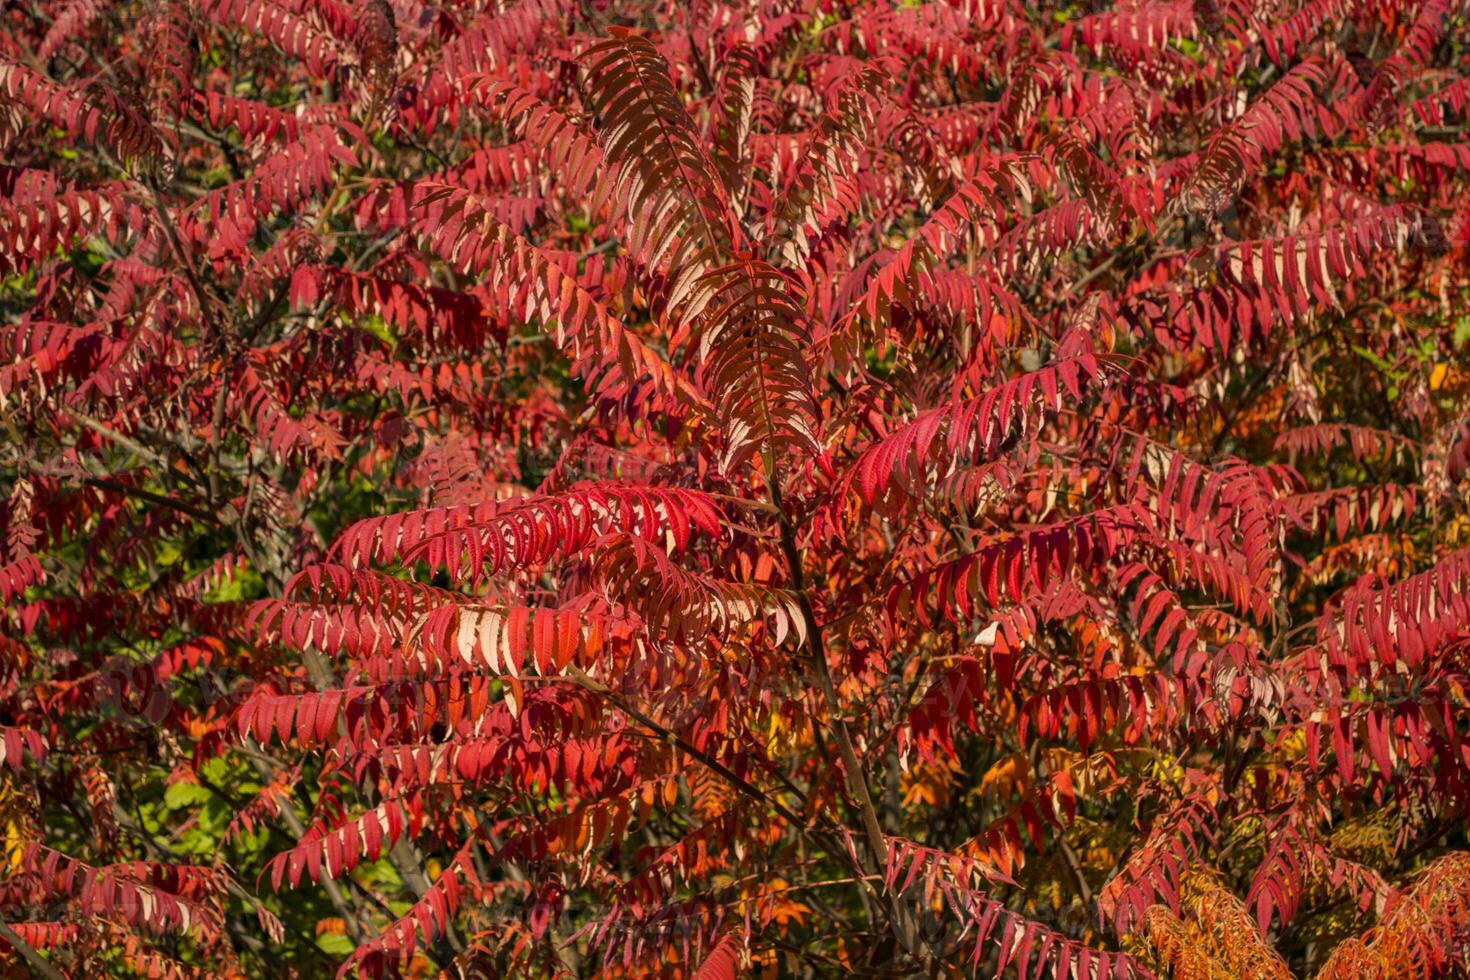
181 795
1462 331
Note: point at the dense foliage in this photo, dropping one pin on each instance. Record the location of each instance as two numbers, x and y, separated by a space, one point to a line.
635 487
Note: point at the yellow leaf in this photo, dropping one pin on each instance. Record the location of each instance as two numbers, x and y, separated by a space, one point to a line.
1010 773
